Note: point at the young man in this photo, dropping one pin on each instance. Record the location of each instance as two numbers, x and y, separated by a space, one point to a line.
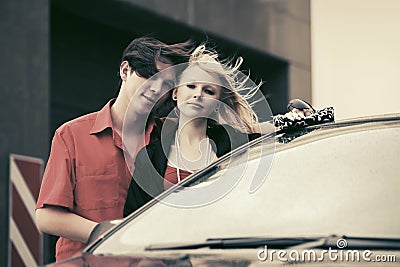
86 177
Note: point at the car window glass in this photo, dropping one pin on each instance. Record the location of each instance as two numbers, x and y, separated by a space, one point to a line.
344 184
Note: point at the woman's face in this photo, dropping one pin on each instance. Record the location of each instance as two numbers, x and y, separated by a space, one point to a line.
198 93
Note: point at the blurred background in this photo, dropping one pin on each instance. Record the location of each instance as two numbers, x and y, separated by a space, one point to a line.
60 60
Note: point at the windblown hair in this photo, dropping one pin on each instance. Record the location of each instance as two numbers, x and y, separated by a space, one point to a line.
143 54
236 88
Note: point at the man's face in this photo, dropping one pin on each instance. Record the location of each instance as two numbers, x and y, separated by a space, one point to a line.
145 93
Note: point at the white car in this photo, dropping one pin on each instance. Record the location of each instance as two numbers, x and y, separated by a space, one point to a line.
326 194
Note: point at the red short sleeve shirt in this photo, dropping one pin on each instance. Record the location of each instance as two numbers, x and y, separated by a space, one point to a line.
86 173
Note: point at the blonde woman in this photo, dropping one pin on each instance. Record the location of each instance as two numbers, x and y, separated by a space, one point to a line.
213 117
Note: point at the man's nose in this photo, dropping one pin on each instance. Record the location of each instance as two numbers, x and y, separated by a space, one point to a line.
156 86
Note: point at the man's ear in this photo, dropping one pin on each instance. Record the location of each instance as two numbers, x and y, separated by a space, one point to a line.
124 70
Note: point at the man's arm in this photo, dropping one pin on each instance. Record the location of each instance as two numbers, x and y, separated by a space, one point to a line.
61 222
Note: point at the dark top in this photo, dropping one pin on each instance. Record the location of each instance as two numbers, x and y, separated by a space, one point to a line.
151 161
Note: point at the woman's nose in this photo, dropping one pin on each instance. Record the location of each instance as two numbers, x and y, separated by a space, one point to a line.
197 93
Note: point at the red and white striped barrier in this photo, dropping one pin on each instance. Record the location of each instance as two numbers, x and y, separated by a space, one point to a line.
25 239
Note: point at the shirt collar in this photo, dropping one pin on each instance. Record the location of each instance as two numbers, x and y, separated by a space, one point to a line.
103 119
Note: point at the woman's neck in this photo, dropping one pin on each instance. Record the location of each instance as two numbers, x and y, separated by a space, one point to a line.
192 131
192 150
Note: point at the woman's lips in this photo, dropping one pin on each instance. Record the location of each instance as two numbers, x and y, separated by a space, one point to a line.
195 104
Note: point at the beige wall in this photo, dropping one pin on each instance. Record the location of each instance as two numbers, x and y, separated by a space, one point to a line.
356 56
277 27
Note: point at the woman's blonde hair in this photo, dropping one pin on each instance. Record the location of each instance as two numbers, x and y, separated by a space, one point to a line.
236 88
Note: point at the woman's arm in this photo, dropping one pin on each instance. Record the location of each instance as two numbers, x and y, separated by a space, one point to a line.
268 127
61 222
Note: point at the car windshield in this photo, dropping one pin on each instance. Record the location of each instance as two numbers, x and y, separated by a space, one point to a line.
330 181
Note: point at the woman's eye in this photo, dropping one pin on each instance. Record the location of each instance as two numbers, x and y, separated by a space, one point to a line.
191 86
209 91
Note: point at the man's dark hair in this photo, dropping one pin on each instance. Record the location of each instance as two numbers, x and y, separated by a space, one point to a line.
143 54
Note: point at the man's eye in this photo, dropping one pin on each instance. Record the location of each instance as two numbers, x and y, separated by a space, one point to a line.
168 84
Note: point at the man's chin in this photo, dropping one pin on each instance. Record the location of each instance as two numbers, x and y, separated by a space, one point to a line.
144 112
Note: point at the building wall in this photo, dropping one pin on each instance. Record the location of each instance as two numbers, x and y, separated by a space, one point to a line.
32 41
278 27
356 56
24 92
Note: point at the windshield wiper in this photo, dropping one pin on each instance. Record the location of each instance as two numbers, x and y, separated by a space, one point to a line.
350 242
242 242
331 241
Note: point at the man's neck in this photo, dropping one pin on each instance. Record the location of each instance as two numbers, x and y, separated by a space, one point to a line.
136 123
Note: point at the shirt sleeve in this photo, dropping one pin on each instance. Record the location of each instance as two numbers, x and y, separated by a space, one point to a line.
59 176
